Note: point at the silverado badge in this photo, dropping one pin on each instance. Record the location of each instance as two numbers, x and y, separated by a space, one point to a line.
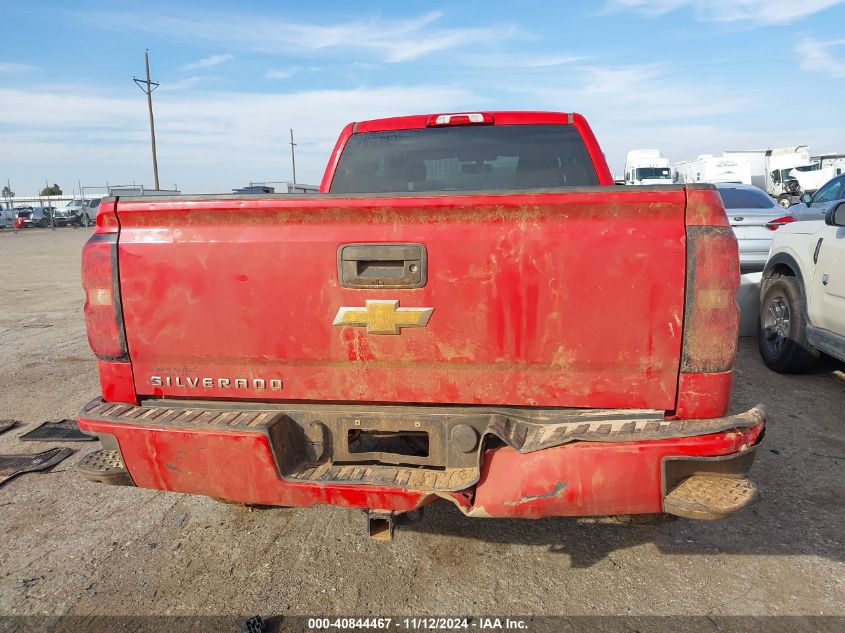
383 317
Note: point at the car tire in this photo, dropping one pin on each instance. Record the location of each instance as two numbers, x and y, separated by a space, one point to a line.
782 328
86 221
43 223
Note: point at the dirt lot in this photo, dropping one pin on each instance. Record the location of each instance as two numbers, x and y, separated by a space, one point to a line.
72 547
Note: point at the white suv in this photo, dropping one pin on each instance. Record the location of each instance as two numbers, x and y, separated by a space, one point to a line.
802 309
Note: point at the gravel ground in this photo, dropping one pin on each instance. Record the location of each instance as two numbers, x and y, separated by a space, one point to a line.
73 547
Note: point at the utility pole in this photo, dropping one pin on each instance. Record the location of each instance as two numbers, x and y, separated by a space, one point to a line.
84 205
50 206
9 194
147 86
293 158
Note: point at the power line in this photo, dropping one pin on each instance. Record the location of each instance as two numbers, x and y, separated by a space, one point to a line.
147 86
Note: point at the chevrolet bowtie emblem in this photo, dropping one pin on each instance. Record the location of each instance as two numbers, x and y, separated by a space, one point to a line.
383 317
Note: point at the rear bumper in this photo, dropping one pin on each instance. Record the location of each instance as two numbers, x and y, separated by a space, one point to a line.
531 466
754 258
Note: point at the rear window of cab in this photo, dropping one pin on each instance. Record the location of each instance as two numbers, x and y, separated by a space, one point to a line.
466 158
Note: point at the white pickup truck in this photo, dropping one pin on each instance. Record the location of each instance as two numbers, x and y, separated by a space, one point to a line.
802 310
78 212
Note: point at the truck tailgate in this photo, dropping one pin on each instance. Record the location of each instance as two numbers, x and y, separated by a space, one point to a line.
568 299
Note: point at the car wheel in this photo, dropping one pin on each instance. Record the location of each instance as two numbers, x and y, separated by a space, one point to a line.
86 221
43 223
782 329
784 200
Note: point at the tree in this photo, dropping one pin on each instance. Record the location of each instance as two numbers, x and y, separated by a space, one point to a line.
54 190
7 192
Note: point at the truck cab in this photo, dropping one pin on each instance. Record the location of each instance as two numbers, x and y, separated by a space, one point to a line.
647 167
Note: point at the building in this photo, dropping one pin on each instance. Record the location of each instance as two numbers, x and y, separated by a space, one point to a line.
282 186
140 190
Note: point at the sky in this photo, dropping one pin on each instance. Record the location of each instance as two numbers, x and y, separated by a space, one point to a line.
685 76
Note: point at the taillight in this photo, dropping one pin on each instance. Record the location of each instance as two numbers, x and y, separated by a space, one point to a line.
103 312
464 118
775 224
711 316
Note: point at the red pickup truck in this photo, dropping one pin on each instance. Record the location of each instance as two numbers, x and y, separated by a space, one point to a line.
470 311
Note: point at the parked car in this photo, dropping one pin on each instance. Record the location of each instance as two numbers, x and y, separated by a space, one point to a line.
22 216
34 216
802 311
816 206
71 213
754 217
79 212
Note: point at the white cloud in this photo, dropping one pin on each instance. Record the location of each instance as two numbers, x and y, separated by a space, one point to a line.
645 106
511 61
212 139
188 83
388 40
762 12
206 62
638 95
280 73
208 141
25 110
818 56
14 67
547 61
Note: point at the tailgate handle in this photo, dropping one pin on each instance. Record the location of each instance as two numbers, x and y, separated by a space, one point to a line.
382 265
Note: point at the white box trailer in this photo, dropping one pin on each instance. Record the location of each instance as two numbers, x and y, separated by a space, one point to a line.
709 168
